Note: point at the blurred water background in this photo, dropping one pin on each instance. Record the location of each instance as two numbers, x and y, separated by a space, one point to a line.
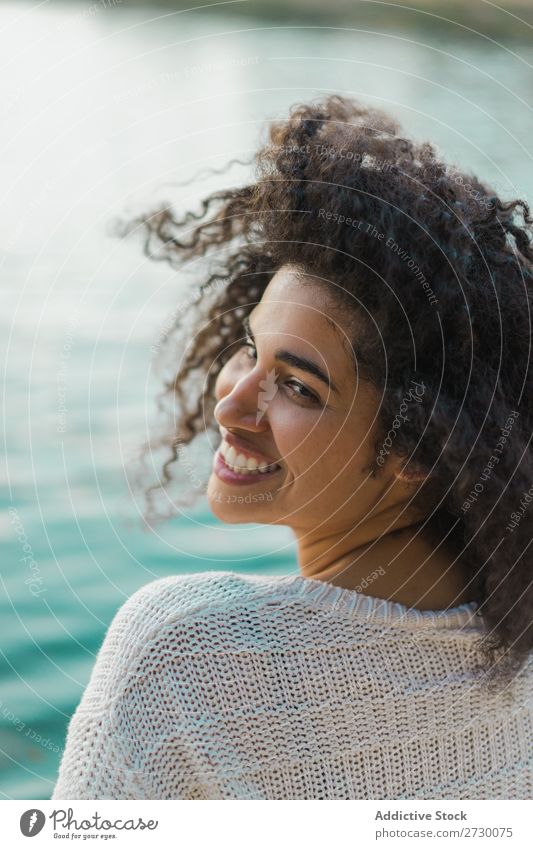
102 104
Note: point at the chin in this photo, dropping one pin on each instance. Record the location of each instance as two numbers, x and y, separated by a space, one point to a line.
238 504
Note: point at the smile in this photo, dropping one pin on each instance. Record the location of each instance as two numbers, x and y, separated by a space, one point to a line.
245 464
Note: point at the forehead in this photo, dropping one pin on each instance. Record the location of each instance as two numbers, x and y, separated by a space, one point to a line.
303 315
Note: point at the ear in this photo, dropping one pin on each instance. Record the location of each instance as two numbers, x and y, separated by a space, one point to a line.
410 474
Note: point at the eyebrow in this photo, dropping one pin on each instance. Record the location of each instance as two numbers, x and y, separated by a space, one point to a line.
295 360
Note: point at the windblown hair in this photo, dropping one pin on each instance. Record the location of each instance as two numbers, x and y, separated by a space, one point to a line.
438 270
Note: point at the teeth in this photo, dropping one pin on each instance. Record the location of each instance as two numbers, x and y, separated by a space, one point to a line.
242 464
231 454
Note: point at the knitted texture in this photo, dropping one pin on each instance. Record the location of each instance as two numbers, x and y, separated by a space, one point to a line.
225 686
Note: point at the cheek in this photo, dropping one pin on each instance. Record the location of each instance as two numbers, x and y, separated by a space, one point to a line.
339 454
304 438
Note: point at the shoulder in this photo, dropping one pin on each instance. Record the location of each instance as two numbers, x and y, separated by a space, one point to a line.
175 605
182 609
180 596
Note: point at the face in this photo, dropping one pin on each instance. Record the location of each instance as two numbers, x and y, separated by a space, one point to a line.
274 409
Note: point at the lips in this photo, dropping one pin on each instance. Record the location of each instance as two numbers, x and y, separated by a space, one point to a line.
241 463
237 478
243 447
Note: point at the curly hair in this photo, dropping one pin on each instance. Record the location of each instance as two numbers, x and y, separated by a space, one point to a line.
438 270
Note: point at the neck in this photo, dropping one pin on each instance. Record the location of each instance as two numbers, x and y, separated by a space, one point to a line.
386 558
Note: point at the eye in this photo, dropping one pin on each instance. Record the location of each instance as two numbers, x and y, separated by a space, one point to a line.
250 345
303 394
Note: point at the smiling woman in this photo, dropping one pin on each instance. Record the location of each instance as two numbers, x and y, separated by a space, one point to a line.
321 434
358 410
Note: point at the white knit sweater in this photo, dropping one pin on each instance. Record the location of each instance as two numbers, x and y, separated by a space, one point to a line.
225 686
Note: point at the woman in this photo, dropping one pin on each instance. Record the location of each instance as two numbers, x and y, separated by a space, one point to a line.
367 382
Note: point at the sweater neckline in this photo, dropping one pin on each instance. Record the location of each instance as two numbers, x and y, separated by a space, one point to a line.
381 610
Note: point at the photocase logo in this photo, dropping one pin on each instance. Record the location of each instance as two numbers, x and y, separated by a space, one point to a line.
32 822
269 389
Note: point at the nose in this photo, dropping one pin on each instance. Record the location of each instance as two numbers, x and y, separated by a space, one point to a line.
242 403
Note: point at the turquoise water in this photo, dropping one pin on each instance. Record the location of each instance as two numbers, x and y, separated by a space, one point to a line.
101 111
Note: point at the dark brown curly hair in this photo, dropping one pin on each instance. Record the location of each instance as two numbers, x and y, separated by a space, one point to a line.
439 271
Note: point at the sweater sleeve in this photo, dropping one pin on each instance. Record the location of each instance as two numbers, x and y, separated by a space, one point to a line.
108 748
